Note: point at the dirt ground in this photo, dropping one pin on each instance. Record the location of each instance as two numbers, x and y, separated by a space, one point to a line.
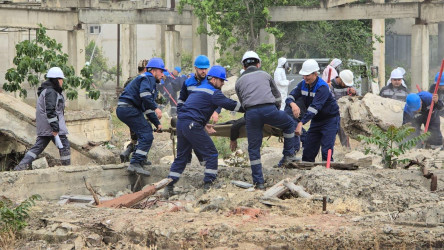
370 208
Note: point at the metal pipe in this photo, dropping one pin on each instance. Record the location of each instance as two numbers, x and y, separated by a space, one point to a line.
324 204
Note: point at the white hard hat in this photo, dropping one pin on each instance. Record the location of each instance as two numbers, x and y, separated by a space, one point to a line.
346 77
309 67
396 74
55 72
335 62
250 54
402 70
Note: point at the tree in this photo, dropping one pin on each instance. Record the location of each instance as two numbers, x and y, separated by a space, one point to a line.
34 58
237 23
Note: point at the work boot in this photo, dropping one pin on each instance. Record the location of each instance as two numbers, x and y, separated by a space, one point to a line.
22 167
147 163
259 186
207 186
290 158
168 192
125 155
138 169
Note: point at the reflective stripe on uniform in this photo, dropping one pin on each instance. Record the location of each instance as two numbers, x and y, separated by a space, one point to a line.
52 119
31 154
313 110
209 91
122 103
174 174
255 162
65 157
291 97
288 135
278 99
304 92
191 88
238 105
312 94
211 171
141 152
180 101
148 111
145 94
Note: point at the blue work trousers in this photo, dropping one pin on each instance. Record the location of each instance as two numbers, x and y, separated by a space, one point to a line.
192 136
320 134
255 118
136 121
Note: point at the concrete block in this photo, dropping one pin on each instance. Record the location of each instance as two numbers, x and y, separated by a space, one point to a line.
40 163
358 158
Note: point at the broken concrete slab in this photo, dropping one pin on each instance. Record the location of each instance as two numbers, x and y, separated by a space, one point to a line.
359 159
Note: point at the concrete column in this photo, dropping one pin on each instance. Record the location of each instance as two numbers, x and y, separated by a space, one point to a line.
76 49
212 54
441 41
128 54
378 28
420 56
267 38
76 52
200 44
173 47
13 39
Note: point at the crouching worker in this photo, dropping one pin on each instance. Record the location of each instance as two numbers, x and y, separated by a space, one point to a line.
137 100
192 120
50 120
416 111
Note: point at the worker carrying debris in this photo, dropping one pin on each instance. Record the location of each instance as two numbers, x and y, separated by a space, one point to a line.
50 120
323 111
137 100
261 99
416 111
395 89
341 86
333 66
125 155
193 117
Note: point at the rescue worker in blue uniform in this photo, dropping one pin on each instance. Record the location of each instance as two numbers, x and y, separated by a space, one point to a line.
416 111
137 100
201 66
261 99
192 120
440 90
322 110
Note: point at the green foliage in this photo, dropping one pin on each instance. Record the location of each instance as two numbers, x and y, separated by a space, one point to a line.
34 58
13 217
186 63
98 63
237 23
222 145
392 143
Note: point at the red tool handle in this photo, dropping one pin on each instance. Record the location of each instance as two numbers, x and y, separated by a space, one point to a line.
418 88
434 93
328 158
169 95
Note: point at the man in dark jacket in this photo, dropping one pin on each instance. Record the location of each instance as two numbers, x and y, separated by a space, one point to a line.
322 110
395 89
137 100
416 111
440 90
261 99
192 120
50 120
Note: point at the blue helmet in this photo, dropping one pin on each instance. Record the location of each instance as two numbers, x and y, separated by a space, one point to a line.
156 63
202 62
178 69
218 72
413 102
441 83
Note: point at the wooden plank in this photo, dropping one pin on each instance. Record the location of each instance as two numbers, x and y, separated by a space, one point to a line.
334 165
129 200
279 189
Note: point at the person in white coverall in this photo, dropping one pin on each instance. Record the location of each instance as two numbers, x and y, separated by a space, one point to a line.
281 80
334 64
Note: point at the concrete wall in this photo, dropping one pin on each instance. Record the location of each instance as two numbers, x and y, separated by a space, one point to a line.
94 125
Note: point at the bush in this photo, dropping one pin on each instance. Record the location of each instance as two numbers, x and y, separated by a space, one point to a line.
392 143
13 217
